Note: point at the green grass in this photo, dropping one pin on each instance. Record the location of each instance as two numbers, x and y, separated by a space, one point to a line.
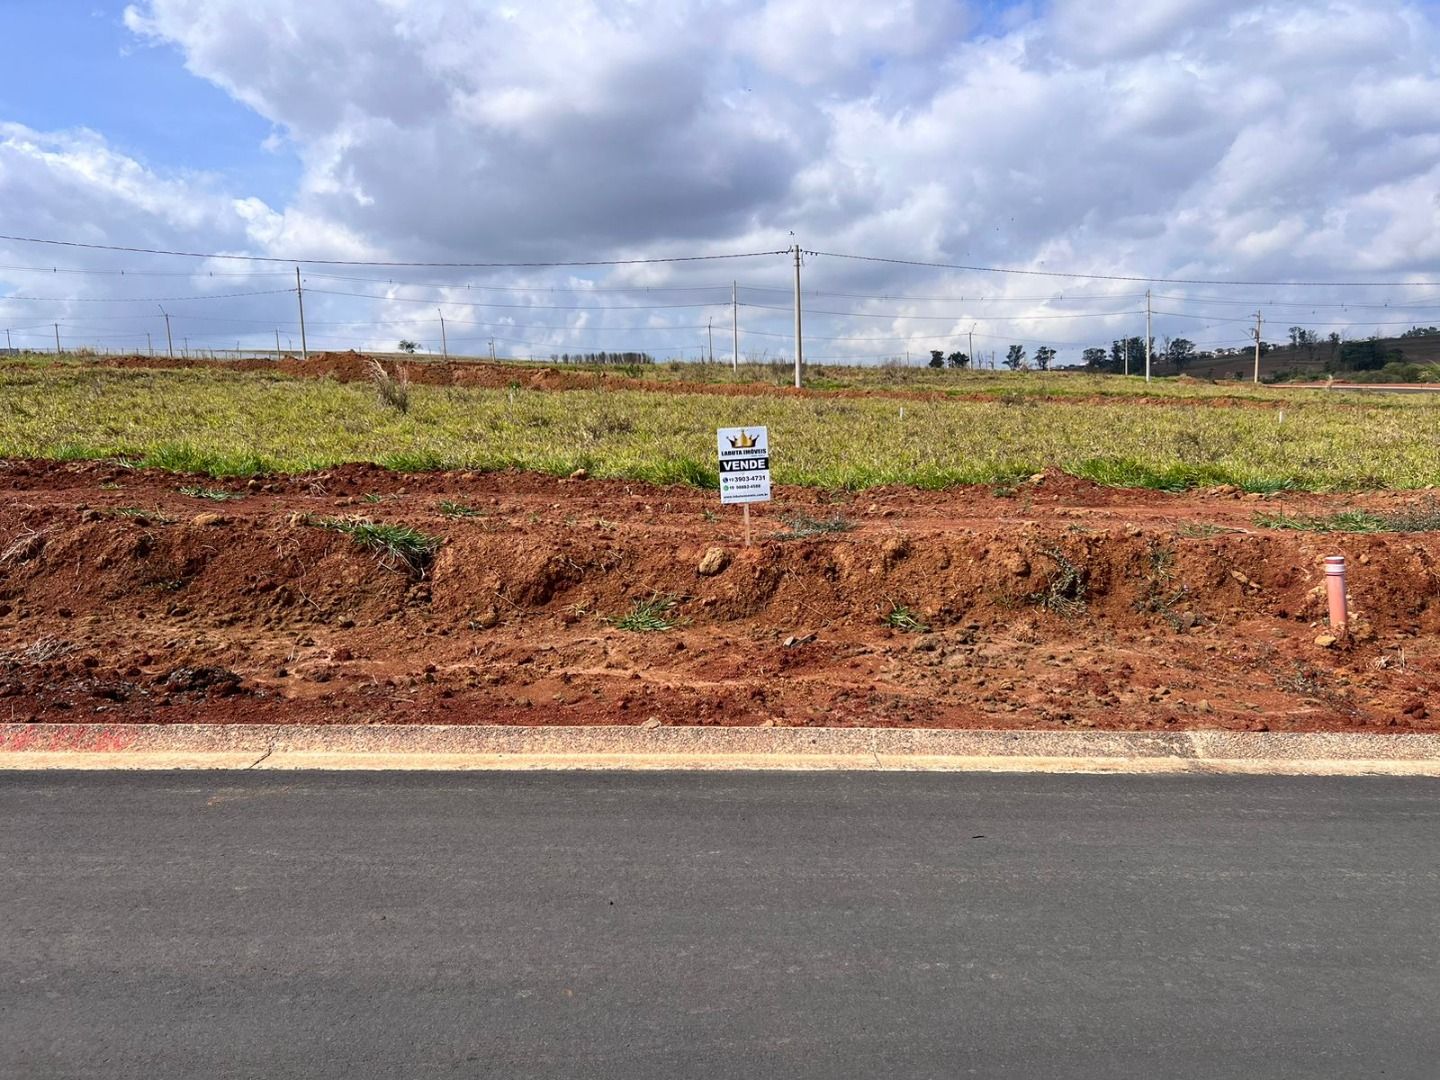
451 508
397 545
237 424
648 616
1425 518
906 620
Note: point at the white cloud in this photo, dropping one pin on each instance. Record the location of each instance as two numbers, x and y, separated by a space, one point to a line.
1207 138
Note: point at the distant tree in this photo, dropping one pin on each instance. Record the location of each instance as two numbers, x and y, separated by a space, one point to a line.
1044 357
1096 359
958 360
1180 351
1420 331
937 358
1015 357
408 346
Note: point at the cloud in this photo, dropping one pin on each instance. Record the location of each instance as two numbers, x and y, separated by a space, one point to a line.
1190 138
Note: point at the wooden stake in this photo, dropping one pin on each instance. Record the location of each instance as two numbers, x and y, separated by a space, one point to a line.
746 508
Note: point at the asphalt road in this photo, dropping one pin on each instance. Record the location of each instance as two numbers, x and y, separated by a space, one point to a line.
727 925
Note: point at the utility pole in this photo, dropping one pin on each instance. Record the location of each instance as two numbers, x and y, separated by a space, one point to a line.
799 346
8 346
710 336
1258 323
973 364
169 341
1147 335
492 350
149 345
1127 356
444 343
57 339
734 328
300 296
277 344
186 350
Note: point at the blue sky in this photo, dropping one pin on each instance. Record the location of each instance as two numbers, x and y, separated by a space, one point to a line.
73 63
1229 140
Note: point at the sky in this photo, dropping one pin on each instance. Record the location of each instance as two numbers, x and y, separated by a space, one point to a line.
1216 152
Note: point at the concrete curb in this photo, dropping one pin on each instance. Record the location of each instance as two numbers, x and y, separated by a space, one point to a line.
435 747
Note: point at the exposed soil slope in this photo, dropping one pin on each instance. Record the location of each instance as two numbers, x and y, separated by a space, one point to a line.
1056 604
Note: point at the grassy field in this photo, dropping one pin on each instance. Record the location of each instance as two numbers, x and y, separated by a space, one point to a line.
231 423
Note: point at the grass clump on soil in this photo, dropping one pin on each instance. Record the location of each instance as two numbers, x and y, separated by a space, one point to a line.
394 390
453 509
397 545
212 494
1425 518
227 423
905 619
1065 591
802 527
654 615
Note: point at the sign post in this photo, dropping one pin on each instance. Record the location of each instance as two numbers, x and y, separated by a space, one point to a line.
744 468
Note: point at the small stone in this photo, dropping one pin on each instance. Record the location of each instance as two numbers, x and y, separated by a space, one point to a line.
651 724
207 519
714 561
1326 641
488 619
1015 564
1203 705
580 474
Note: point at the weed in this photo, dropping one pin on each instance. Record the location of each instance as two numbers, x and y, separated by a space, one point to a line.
1199 530
648 616
372 498
1064 592
905 619
394 390
397 545
212 494
39 651
802 526
1160 599
140 514
1423 518
451 508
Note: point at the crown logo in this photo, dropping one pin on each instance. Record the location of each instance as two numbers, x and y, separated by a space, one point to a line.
743 441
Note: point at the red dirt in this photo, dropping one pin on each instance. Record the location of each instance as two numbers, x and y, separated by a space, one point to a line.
262 615
355 367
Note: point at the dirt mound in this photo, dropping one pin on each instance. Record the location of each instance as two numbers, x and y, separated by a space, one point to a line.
355 367
1066 604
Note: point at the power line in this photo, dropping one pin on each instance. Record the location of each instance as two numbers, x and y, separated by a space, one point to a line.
141 299
382 262
1120 277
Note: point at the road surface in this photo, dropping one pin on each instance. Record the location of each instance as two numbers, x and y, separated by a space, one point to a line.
718 925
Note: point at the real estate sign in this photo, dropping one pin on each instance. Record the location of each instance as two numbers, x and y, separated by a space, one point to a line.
744 464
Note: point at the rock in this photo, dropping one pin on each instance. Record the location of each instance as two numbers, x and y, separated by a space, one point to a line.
91 515
651 724
488 619
1326 641
342 654
1203 705
207 519
580 474
714 561
1241 578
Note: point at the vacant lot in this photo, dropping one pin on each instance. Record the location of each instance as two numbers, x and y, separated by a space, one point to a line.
233 423
212 545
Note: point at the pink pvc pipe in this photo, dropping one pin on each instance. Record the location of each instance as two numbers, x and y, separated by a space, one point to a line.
1335 591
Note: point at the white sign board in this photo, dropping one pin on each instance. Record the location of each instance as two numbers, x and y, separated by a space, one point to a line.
744 464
